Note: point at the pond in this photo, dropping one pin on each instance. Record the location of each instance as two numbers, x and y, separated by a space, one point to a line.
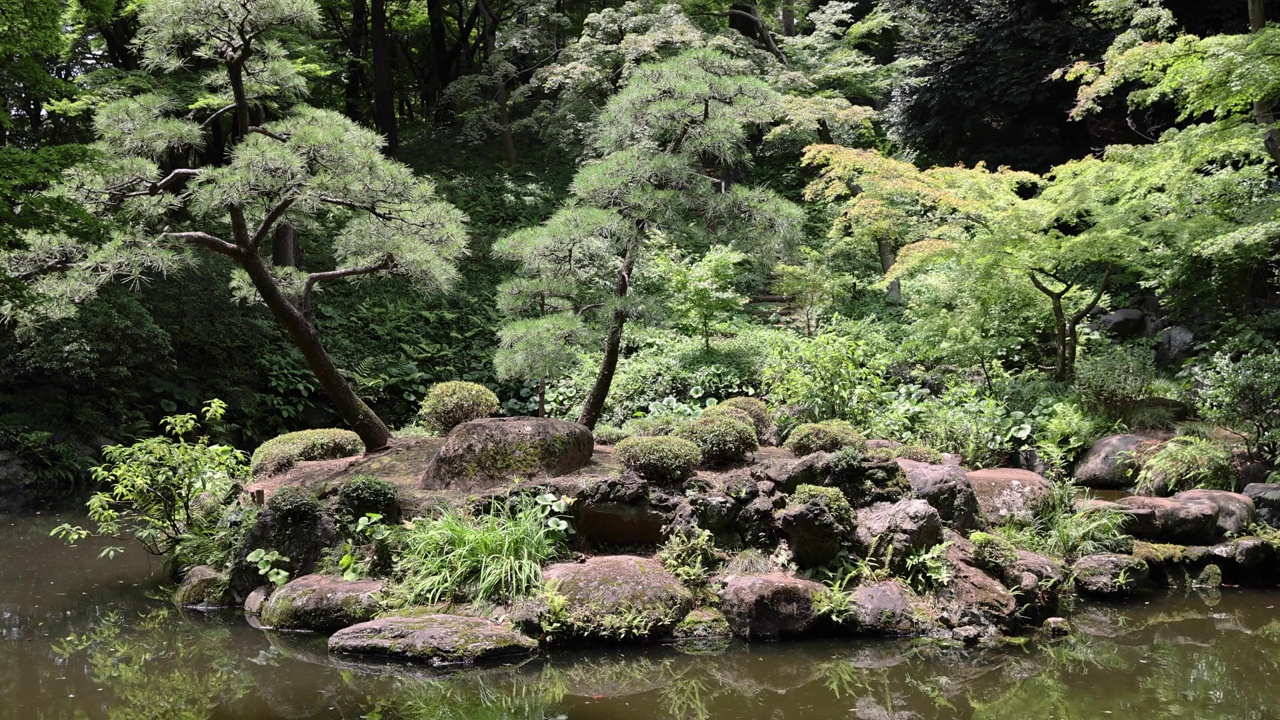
90 638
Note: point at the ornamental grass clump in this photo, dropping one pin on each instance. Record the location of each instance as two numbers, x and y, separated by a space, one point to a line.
660 460
825 436
450 404
721 439
1187 462
280 454
492 557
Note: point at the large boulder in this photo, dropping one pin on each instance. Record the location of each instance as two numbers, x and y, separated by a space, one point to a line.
868 482
488 453
816 530
1236 512
1124 323
1108 463
1171 520
771 607
972 597
787 473
1109 575
615 597
435 639
204 588
947 489
1176 343
621 511
298 531
888 607
897 531
1266 500
321 603
1008 493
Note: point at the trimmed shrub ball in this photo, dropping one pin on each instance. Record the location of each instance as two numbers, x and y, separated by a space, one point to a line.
738 414
759 412
609 435
449 404
661 459
721 439
363 494
279 454
827 436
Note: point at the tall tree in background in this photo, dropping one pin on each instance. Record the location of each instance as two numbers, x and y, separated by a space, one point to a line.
311 168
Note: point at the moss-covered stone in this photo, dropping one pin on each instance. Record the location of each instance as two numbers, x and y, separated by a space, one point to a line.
321 603
204 588
701 624
613 597
488 453
436 639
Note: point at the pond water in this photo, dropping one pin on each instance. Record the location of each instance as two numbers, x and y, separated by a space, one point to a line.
90 638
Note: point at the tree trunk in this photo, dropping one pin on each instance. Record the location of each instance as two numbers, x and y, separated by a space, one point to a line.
285 251
884 247
372 431
384 107
1263 113
594 404
355 65
788 18
442 62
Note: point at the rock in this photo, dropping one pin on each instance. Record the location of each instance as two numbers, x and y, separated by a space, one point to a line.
786 474
814 533
1107 463
1005 493
756 522
1266 500
321 603
617 596
869 482
1109 575
304 538
1236 512
897 531
947 489
1124 323
203 589
1171 520
435 639
888 607
1036 581
771 607
617 512
972 597
488 453
702 624
1056 627
257 599
1176 344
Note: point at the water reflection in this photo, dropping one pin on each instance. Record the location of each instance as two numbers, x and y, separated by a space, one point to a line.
78 643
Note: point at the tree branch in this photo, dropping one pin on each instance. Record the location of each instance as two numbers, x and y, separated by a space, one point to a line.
1097 296
269 221
205 240
155 187
263 131
387 263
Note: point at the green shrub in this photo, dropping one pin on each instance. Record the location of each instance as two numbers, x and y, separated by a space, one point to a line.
661 460
993 552
759 412
690 555
918 453
449 404
828 497
495 557
827 436
1184 463
279 454
722 440
609 435
1115 380
657 425
729 411
293 505
363 494
847 459
1244 395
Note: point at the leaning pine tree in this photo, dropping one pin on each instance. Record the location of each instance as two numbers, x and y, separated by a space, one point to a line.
266 167
668 149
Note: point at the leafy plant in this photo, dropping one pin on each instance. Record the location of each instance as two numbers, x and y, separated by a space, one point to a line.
928 569
1115 380
491 557
690 555
1244 396
269 565
155 485
371 534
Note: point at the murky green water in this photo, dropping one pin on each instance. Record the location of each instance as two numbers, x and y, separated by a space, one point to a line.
1176 656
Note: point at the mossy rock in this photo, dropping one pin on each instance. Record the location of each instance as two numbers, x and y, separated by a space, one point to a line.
321 603
281 453
1109 575
204 588
617 597
436 639
489 453
701 624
